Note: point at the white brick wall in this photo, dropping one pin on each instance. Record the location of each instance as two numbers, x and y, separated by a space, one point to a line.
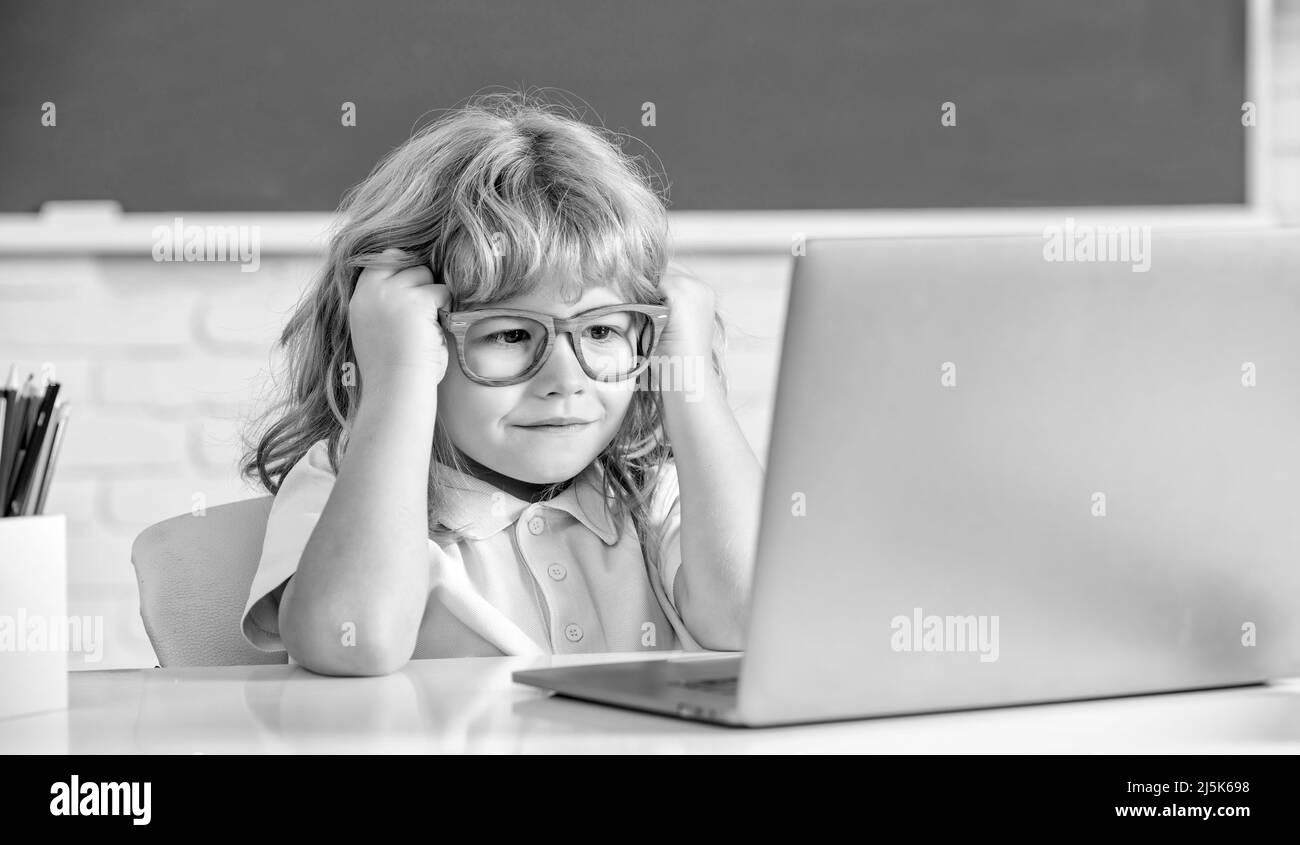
161 362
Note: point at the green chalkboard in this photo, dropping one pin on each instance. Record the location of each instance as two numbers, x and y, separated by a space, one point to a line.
818 104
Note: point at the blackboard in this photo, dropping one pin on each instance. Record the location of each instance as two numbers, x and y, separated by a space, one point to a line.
189 105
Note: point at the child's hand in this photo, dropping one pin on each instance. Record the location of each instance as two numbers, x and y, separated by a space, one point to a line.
690 324
393 317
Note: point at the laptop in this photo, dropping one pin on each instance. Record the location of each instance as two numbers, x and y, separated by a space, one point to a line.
1003 471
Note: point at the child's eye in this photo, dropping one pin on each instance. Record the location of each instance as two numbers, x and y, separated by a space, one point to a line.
604 332
507 337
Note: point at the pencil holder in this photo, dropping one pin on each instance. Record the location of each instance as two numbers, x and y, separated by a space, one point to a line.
35 632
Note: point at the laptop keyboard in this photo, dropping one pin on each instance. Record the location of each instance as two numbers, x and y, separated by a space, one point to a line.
722 686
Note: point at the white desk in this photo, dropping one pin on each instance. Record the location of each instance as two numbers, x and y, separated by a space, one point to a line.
471 705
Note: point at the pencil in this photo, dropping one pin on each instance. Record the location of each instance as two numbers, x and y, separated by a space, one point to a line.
11 383
42 455
39 385
32 452
4 415
9 392
10 389
9 432
18 439
60 426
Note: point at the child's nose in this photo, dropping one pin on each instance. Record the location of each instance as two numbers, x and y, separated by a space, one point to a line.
562 372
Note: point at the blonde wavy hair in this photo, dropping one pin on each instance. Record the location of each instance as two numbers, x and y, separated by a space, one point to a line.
562 194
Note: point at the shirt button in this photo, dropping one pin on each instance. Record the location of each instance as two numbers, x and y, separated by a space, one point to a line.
536 525
557 571
573 633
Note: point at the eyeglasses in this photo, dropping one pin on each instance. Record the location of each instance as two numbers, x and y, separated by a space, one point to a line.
503 346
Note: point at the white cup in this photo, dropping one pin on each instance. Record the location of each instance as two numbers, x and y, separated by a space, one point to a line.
34 629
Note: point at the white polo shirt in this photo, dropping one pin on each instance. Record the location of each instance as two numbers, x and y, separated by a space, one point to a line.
553 577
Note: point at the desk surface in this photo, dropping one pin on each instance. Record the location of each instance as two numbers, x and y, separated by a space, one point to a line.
471 705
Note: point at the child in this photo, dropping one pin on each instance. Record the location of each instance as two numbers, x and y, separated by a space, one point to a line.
456 480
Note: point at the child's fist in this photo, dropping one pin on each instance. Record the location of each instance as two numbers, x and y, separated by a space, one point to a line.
393 318
691 305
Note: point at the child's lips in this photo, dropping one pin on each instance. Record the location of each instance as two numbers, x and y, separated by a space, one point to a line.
558 429
571 428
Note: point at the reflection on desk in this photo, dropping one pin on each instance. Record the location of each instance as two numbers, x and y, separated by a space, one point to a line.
471 705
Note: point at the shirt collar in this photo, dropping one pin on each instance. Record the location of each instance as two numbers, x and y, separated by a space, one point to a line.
477 509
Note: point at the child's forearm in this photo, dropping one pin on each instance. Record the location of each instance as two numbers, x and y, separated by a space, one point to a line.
721 485
355 604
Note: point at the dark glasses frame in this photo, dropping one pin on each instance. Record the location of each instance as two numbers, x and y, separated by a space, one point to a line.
458 324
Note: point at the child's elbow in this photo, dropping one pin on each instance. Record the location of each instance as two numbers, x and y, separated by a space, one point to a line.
359 663
717 627
350 650
721 637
